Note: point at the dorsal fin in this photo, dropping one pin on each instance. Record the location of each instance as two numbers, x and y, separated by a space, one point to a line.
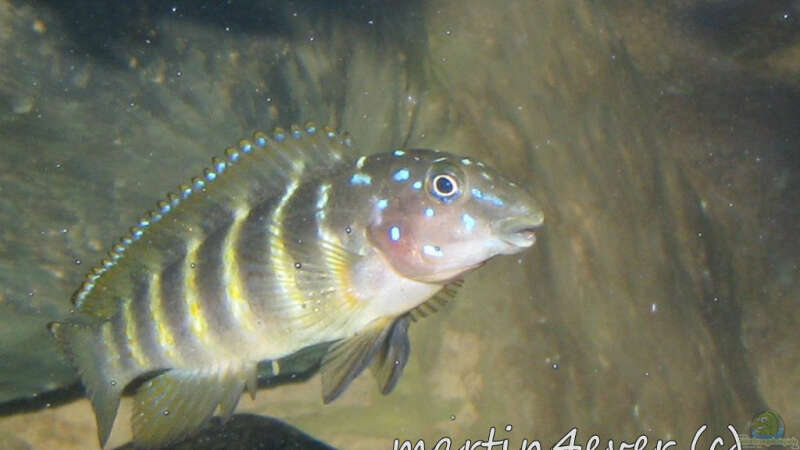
254 171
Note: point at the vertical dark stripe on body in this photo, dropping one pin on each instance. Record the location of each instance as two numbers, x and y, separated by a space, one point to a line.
209 278
119 328
145 293
173 308
251 249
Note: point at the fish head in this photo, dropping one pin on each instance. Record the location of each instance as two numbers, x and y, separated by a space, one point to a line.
440 215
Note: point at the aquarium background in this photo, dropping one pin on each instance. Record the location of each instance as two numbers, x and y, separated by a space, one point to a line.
661 138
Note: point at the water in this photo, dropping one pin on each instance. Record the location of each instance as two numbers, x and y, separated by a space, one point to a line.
661 142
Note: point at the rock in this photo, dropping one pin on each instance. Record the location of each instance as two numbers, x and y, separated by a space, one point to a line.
247 432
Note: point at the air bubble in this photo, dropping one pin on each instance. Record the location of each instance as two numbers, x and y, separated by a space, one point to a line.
297 265
348 230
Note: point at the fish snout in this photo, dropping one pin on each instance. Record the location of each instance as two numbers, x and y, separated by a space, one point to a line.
518 231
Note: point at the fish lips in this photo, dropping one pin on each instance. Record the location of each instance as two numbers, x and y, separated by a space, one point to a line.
518 232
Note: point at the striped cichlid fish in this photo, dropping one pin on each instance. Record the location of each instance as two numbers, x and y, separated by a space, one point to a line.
292 239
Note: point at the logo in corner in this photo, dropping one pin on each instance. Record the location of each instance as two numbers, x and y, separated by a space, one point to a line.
767 425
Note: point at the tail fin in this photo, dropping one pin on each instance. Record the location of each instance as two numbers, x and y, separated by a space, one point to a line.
84 346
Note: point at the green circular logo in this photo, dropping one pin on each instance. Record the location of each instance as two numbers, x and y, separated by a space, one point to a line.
767 425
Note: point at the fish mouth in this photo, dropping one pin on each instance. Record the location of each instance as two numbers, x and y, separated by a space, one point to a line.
519 231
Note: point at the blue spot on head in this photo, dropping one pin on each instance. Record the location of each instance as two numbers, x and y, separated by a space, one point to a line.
417 185
428 212
432 250
394 233
383 203
480 195
361 178
469 222
401 175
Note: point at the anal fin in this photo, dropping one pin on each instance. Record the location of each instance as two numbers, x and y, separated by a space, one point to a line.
177 402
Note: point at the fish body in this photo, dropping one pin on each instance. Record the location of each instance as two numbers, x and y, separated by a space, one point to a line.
290 240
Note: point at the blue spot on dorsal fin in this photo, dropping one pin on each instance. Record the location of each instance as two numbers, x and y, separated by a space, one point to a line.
145 231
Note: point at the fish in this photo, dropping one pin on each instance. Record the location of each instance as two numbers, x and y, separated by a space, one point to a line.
288 240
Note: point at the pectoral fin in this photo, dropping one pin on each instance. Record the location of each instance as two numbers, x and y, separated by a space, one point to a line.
393 356
346 359
437 302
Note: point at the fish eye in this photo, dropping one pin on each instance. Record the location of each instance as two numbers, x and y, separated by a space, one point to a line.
444 186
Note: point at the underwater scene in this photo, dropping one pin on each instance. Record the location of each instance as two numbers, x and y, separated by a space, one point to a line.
399 224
